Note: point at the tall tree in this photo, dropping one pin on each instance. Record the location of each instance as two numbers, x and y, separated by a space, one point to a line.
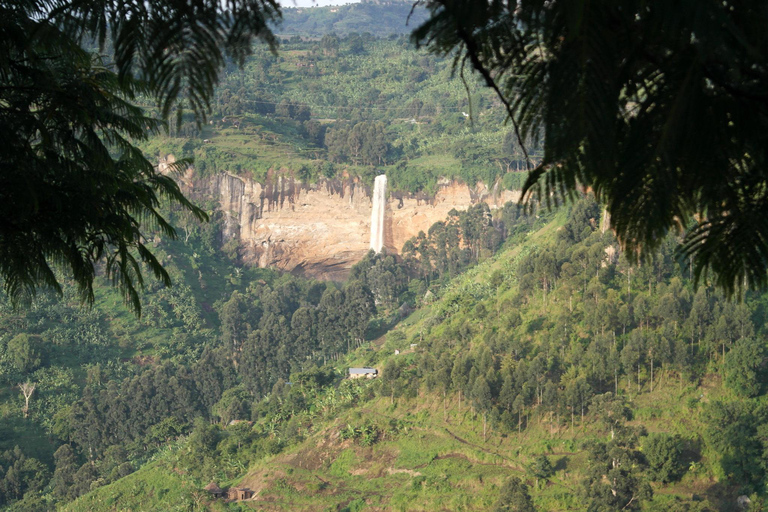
746 367
64 474
481 399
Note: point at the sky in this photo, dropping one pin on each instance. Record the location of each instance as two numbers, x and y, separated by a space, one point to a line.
311 3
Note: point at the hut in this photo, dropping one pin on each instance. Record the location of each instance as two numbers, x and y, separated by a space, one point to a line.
215 490
240 493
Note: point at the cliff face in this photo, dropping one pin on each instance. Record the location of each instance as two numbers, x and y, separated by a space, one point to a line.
322 229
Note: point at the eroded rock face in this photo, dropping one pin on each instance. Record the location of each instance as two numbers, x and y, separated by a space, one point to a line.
322 229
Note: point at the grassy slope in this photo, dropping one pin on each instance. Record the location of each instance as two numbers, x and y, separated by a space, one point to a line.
155 487
431 458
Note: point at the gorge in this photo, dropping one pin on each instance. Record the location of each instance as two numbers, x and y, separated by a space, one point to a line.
322 229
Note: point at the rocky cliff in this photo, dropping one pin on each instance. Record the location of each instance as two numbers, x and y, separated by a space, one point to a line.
322 229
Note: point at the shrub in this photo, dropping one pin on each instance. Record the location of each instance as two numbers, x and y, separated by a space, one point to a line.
665 457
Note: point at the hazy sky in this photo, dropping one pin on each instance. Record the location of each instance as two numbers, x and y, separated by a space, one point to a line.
310 3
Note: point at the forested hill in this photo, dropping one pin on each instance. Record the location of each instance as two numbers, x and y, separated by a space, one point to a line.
356 105
89 396
379 18
550 376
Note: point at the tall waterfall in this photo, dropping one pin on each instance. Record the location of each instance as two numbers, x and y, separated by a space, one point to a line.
377 214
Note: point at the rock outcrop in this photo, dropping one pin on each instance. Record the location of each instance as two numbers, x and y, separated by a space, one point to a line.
322 229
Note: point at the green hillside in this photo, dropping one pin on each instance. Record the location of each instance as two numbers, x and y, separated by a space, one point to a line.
356 105
378 18
543 363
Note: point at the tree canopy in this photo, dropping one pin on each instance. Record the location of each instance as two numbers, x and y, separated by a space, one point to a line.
74 188
659 107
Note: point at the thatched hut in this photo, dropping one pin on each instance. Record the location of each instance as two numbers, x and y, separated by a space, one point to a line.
215 490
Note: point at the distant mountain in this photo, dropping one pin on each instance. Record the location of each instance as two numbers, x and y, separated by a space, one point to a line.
380 18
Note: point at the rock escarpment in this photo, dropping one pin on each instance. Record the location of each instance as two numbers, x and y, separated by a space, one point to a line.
324 228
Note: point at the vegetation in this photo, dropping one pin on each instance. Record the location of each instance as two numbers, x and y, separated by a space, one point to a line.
541 361
381 19
76 190
524 363
616 92
397 110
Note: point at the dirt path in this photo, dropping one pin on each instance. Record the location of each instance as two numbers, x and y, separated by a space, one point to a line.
507 463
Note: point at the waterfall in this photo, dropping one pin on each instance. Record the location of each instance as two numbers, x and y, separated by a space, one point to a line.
377 214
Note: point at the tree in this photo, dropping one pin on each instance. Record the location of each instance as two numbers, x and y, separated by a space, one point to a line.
746 367
27 388
302 113
514 497
64 474
204 438
633 354
284 109
83 479
22 475
734 435
541 468
613 479
234 405
24 352
355 44
665 457
75 189
114 464
442 377
358 308
460 375
168 429
390 379
481 399
330 44
659 109
234 323
611 412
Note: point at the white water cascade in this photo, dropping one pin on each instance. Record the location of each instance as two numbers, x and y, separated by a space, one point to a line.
377 214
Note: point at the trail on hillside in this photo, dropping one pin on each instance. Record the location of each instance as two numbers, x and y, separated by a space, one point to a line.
484 450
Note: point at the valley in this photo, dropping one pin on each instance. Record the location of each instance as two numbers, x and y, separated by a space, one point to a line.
365 211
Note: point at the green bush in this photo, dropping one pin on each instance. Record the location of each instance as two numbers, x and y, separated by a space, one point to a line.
664 454
746 367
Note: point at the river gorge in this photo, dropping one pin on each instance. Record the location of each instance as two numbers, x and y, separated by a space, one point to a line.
322 229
